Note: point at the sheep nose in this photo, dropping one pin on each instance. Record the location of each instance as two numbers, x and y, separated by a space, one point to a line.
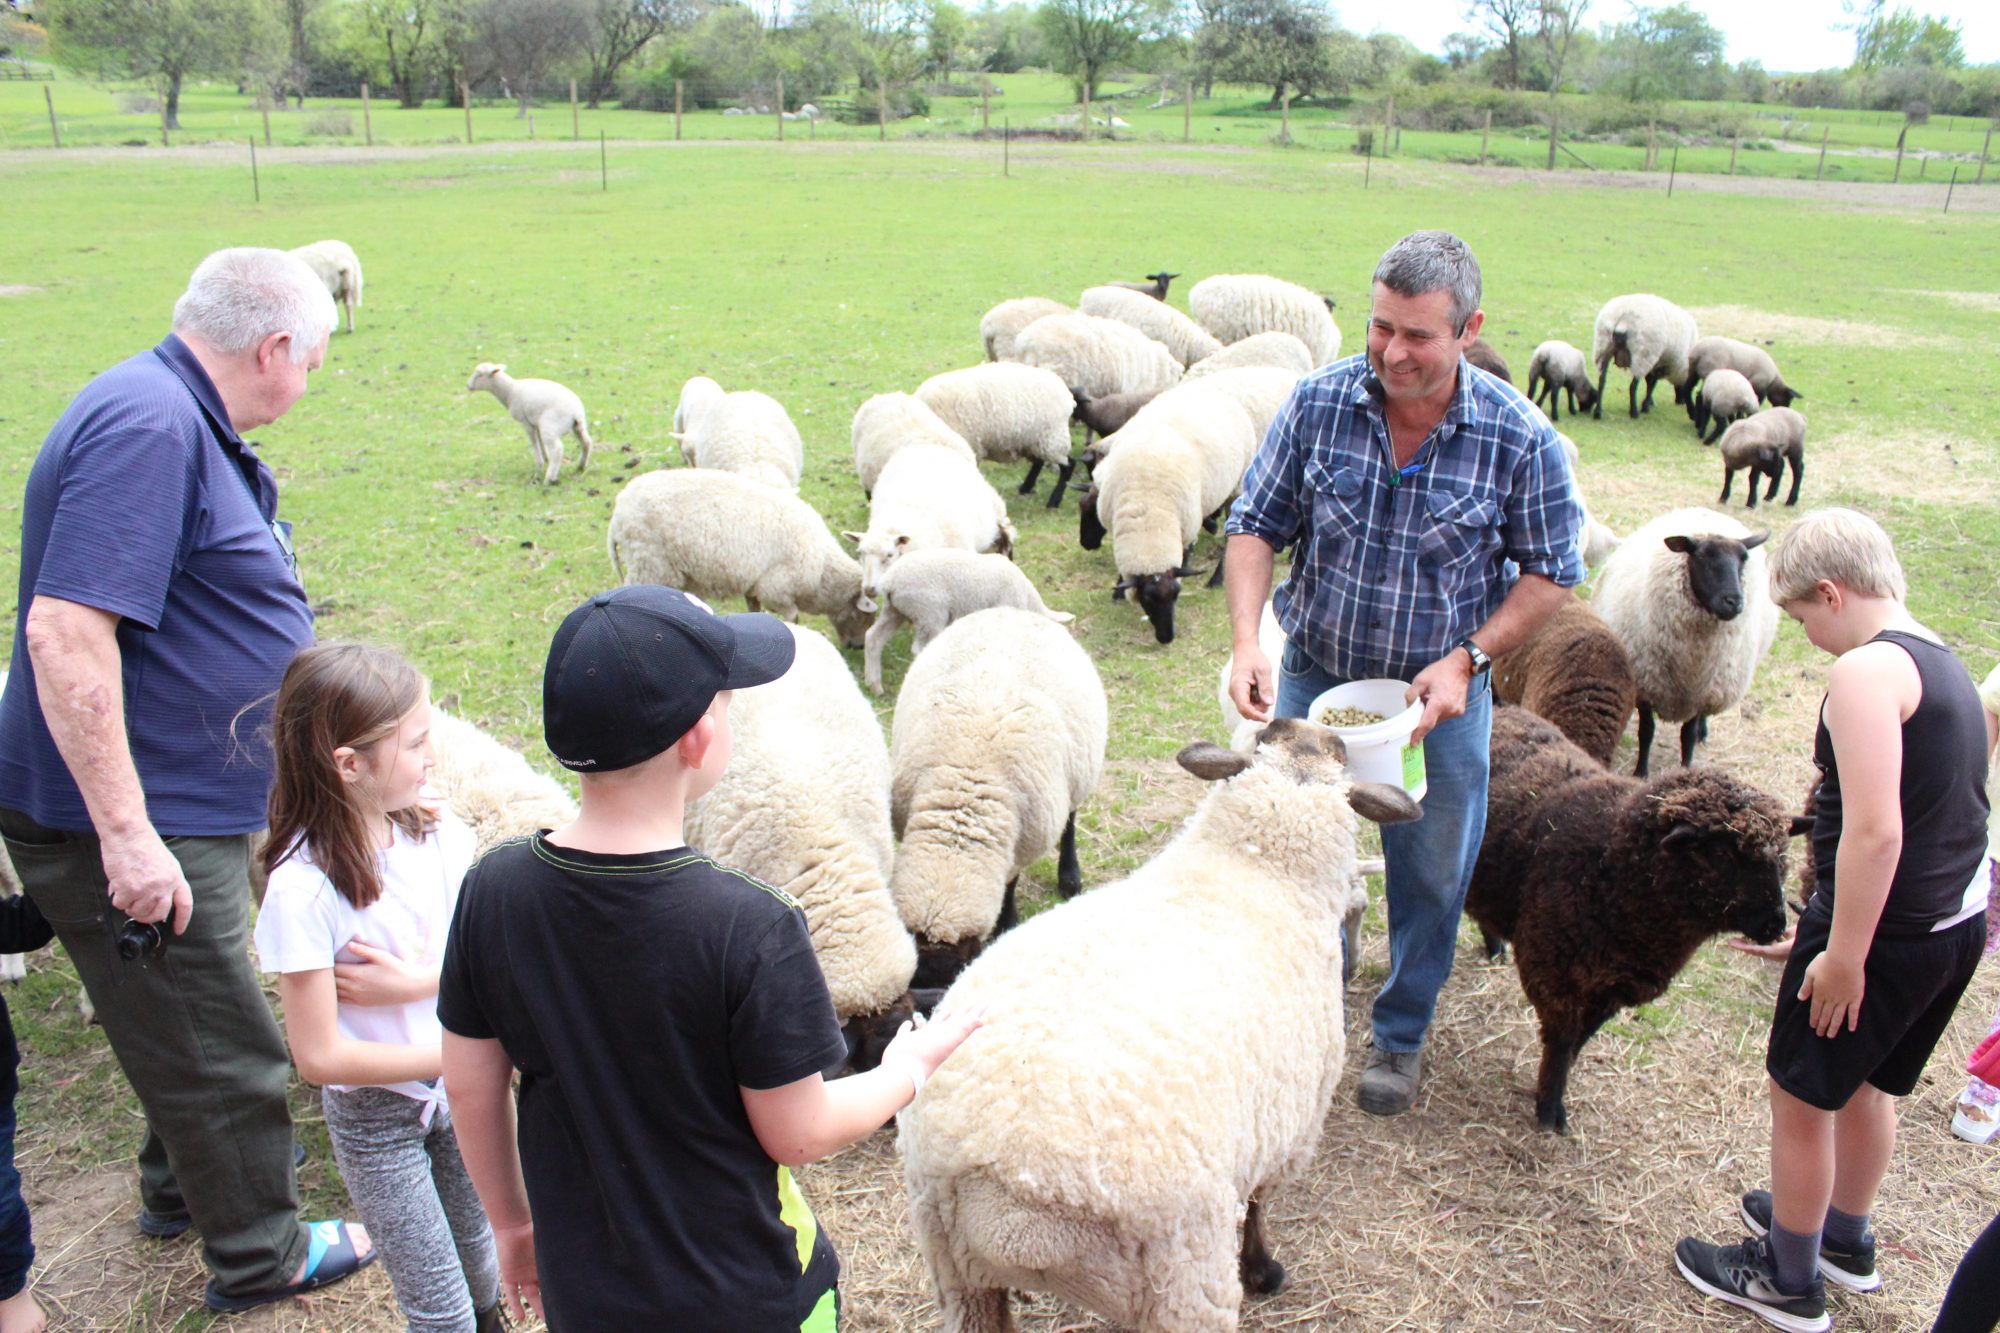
1728 608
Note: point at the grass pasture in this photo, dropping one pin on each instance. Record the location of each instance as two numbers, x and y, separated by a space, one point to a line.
826 272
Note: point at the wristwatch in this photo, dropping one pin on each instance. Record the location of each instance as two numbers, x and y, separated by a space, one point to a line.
1481 663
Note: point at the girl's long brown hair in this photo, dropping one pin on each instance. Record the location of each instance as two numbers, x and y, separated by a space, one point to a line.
336 694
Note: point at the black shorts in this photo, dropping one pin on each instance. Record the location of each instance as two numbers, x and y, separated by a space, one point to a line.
1911 985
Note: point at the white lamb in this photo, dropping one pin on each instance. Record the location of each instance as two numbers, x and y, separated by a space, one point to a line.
887 422
1008 411
804 806
719 535
930 589
1051 1155
1233 306
1649 336
1725 397
927 499
1557 368
545 409
490 787
1282 350
339 268
745 432
999 736
1688 594
1187 340
1099 356
1001 325
1169 471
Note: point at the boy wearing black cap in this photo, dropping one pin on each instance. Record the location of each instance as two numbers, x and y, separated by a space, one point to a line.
666 1013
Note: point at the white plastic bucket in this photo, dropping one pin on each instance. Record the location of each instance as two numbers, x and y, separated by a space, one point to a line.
1380 751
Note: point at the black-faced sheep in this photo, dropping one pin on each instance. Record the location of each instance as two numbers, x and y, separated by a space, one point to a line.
1154 286
1753 363
1482 354
1558 368
1106 415
1723 399
1765 443
1605 884
1649 336
1574 674
1688 594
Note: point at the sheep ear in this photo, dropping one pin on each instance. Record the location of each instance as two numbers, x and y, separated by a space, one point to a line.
1184 572
1681 545
1755 540
854 537
1209 761
1383 804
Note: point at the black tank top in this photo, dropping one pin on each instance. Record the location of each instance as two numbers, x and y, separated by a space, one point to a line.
1943 795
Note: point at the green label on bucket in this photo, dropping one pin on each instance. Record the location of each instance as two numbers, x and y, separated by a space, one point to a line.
1413 767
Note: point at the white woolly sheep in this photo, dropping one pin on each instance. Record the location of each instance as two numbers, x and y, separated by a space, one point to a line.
1558 368
1649 336
999 736
745 432
1098 356
1106 416
491 787
719 535
1746 359
1008 411
926 499
1262 390
1000 326
1187 340
1724 398
1688 594
930 589
1283 350
887 422
1040 1159
1232 306
339 268
1173 467
1764 443
697 395
804 806
545 409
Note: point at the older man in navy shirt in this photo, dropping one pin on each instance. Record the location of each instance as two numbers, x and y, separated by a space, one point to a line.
160 605
1436 528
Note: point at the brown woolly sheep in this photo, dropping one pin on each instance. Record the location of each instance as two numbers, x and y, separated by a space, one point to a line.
1575 674
1481 354
1607 884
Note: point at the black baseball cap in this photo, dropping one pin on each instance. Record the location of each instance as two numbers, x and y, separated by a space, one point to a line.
632 670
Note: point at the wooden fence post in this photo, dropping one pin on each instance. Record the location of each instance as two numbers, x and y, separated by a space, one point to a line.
1187 114
1085 126
163 122
1555 120
1949 188
266 108
575 127
1652 145
1485 133
1734 145
781 108
55 131
882 108
465 96
1388 124
985 106
257 190
677 108
1981 177
1825 131
1285 115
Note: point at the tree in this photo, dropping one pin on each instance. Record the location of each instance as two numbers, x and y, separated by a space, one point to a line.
1886 38
162 42
1664 54
396 42
1752 83
1511 22
614 31
1087 37
1003 39
945 36
1555 33
524 39
1462 50
1279 42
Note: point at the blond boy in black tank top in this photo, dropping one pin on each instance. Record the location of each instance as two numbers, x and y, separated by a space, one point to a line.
1890 937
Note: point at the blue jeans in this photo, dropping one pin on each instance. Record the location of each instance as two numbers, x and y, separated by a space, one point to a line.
17 1245
1429 861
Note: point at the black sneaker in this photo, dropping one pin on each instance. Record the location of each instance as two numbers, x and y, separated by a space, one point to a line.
1852 1269
1745 1275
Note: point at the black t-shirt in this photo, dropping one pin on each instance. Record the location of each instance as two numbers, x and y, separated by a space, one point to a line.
635 994
1943 797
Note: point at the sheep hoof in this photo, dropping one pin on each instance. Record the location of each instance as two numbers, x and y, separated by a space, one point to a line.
1552 1122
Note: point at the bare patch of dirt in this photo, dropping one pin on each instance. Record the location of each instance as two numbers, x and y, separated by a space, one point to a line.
1748 324
1925 465
1988 302
17 289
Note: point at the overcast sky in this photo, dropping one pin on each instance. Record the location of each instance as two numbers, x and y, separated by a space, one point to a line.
1786 35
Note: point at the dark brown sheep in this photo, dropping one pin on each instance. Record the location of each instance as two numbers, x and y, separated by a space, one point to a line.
1481 354
1155 285
1106 415
1576 674
1606 884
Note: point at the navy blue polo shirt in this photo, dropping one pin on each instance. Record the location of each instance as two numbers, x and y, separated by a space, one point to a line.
146 503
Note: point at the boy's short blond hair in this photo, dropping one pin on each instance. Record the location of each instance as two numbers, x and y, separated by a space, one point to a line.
1843 545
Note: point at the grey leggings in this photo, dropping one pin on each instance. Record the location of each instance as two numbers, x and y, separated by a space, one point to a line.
418 1203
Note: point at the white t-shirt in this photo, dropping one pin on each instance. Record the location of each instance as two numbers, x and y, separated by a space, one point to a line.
305 925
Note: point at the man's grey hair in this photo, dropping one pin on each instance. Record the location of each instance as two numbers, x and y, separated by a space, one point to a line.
239 297
1429 261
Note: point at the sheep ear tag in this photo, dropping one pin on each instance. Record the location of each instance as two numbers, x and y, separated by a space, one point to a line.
1210 762
1383 804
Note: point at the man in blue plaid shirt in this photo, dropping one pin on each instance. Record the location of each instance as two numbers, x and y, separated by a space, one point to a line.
1435 528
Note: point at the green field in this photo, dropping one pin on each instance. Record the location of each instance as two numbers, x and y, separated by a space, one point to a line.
824 272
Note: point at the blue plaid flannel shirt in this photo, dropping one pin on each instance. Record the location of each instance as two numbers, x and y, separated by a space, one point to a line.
1392 570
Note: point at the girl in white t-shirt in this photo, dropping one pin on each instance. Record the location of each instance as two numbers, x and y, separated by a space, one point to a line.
363 879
